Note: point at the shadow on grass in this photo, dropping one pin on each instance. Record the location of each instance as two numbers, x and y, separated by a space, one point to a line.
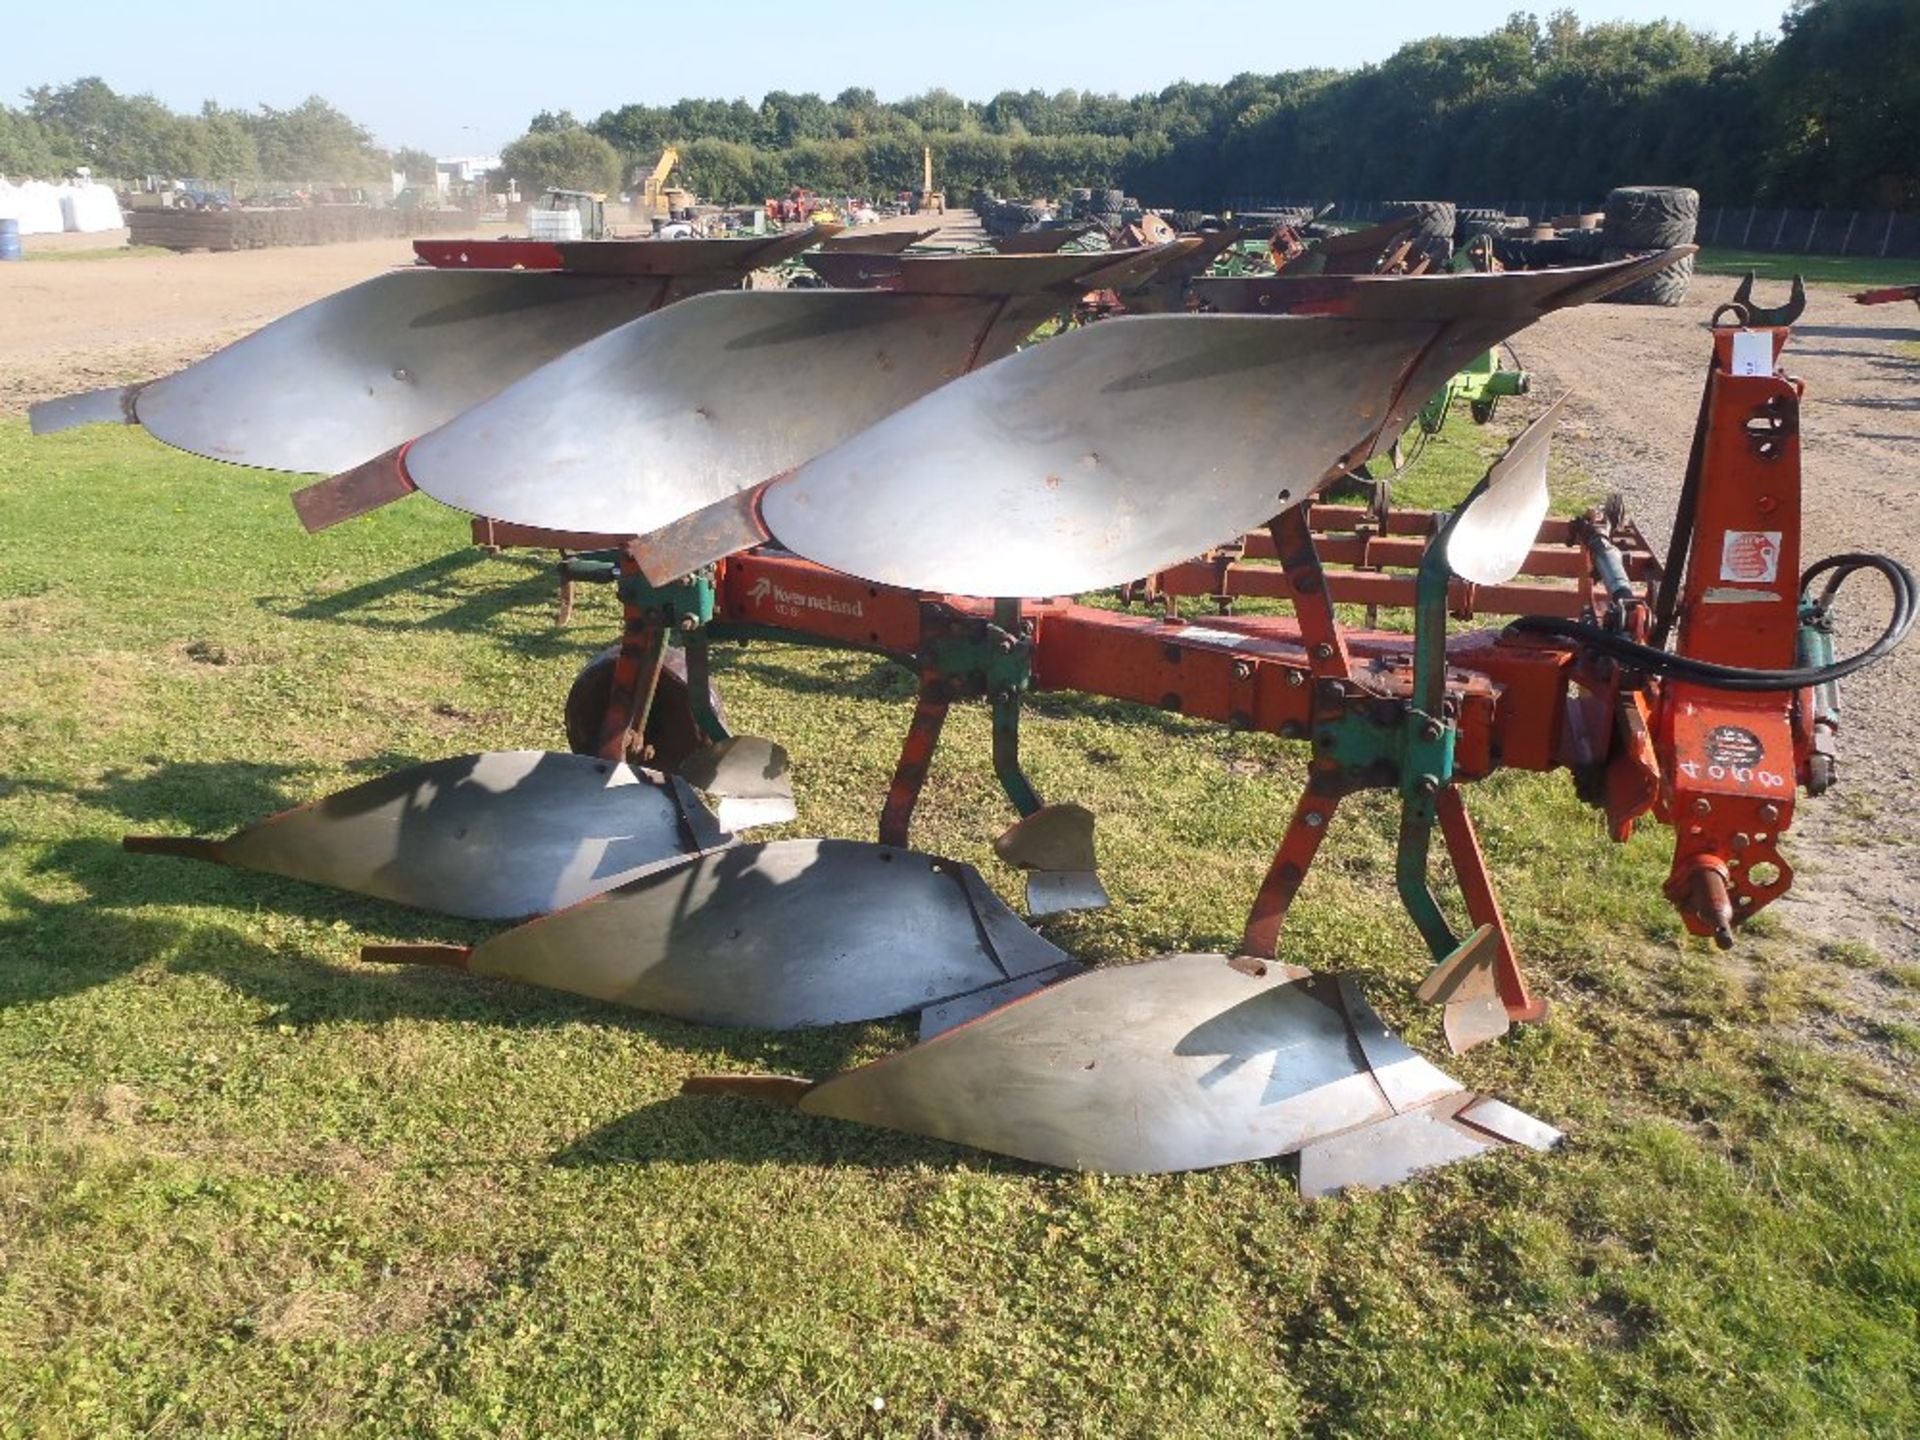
438 594
58 949
854 674
219 797
701 1129
62 947
856 677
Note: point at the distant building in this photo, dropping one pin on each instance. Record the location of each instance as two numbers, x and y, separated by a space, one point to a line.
451 170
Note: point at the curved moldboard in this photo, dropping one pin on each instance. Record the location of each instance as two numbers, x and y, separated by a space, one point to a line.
693 404
1178 1063
776 936
495 836
1104 454
356 373
1124 447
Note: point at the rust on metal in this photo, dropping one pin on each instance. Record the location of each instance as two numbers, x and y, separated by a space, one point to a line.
379 481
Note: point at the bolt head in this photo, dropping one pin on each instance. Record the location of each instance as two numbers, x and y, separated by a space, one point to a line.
1703 806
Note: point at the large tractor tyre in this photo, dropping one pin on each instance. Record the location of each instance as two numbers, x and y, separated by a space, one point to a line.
1109 202
1471 224
1584 247
1187 222
1433 219
1663 287
671 734
1650 217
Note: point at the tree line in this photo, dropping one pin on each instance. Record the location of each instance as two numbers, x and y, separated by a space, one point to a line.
61 128
1825 113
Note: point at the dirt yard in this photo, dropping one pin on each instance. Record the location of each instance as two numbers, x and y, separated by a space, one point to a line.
71 325
1637 372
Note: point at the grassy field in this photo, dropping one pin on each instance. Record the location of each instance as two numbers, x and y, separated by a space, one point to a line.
249 1186
114 252
1854 271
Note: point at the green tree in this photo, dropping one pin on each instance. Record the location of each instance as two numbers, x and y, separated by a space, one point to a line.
230 151
1843 92
721 171
418 166
313 141
575 159
26 149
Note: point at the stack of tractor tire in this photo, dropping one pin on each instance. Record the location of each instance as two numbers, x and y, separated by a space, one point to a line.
1109 209
1193 222
1470 224
1434 223
1008 217
1644 219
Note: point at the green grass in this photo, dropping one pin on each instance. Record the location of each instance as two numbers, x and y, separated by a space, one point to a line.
1854 271
118 252
249 1186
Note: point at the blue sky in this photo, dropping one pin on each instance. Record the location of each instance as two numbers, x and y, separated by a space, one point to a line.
465 79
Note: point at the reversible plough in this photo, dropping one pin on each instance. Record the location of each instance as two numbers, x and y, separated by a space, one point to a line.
878 466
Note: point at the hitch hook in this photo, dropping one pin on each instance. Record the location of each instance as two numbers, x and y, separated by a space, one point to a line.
1745 315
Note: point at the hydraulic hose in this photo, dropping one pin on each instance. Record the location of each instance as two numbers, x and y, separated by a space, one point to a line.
1664 663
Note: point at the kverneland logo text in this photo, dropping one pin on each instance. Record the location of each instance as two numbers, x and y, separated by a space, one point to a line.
784 599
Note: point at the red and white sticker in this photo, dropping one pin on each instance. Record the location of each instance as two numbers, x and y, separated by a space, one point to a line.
1750 556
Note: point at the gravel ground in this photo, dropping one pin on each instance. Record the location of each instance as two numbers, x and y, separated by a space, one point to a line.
1637 371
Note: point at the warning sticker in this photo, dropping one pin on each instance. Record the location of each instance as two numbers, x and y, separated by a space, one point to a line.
1752 556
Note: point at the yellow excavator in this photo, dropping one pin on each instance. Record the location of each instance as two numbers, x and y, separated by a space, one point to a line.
656 196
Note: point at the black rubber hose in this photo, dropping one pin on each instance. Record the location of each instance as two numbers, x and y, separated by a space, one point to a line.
1654 661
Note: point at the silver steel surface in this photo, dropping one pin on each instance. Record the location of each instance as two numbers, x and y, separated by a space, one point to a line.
770 936
1177 1063
748 779
1391 1150
1469 312
495 836
977 274
1489 541
1464 984
687 406
1405 1077
349 376
949 1013
1124 447
1104 454
1054 845
112 406
1061 892
1497 1117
